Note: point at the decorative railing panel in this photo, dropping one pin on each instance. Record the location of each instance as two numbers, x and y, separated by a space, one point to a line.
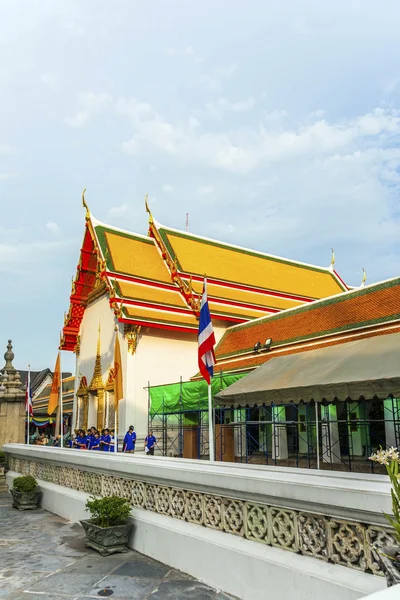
343 542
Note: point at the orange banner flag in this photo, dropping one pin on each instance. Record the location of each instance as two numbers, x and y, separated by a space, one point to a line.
118 387
55 388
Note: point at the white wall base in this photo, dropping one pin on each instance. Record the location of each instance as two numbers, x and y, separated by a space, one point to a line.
235 565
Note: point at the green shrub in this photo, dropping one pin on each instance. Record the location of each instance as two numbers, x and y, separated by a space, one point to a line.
2 457
26 483
108 511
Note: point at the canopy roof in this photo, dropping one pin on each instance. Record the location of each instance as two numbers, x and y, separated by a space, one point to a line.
366 368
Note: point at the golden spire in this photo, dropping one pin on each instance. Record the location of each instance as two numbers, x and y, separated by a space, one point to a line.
333 258
97 379
364 279
87 216
151 220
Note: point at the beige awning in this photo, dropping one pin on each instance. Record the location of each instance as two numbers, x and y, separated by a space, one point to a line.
366 368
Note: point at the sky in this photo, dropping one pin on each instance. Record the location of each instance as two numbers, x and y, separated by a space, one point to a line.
274 125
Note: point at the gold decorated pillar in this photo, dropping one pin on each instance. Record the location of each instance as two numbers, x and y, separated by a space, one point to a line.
97 386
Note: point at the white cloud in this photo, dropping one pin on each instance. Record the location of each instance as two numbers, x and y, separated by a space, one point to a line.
5 176
48 79
6 149
74 28
210 82
227 72
182 51
222 105
53 227
119 211
91 104
243 105
167 187
245 150
206 190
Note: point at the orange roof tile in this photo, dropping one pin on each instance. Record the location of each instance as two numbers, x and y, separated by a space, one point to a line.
356 309
251 361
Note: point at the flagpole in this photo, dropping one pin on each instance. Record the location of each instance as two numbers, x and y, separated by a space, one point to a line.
116 401
28 408
115 429
61 410
210 424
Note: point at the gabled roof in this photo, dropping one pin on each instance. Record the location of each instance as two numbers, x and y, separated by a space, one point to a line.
41 402
371 310
157 280
250 270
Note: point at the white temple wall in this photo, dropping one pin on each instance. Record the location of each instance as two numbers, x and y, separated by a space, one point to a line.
161 357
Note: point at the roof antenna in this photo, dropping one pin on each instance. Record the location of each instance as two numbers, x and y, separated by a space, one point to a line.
187 222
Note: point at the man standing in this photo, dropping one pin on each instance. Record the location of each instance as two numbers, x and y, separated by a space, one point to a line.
129 441
149 443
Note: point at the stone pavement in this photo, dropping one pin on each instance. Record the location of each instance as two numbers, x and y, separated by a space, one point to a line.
42 556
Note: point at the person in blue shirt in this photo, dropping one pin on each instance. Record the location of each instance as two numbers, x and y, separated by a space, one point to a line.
90 436
95 443
129 441
112 442
105 440
150 443
81 441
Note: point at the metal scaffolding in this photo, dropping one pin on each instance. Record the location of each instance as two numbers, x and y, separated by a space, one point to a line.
338 436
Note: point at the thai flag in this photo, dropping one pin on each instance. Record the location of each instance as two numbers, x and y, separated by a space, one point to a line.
206 339
28 396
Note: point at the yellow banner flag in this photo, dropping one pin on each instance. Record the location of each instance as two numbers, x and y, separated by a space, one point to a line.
55 387
118 387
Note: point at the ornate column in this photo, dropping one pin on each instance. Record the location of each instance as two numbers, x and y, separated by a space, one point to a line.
97 387
12 402
82 409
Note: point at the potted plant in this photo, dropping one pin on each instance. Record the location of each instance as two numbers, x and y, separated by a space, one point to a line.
25 493
389 557
108 529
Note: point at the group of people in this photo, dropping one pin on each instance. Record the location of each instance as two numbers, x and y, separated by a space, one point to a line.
103 441
93 440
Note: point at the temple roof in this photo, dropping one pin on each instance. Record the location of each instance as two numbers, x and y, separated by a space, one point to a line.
156 280
255 271
41 402
367 311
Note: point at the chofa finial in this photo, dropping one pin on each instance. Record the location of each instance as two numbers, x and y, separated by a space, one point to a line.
364 279
87 216
331 266
151 220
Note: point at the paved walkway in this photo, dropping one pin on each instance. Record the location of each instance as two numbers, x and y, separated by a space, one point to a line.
44 556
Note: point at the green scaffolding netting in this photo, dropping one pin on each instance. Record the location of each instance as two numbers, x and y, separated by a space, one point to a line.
187 395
